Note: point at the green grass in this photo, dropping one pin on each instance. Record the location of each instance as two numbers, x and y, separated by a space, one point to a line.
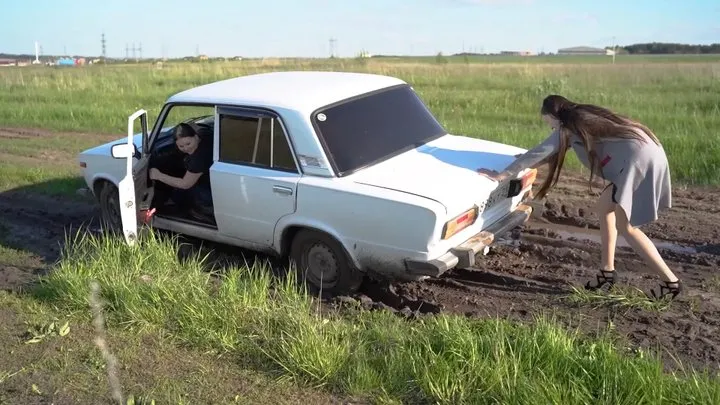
51 357
675 96
618 297
275 328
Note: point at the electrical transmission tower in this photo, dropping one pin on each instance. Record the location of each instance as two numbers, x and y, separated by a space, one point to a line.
102 42
136 51
332 47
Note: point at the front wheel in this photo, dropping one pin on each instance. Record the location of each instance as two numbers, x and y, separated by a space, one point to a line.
109 200
322 263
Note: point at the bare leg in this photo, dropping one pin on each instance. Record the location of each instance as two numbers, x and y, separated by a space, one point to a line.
605 209
643 246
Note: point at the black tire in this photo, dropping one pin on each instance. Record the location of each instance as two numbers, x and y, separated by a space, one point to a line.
323 264
109 199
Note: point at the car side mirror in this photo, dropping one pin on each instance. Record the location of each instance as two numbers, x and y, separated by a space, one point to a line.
124 151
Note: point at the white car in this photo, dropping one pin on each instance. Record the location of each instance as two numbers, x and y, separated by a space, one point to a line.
343 173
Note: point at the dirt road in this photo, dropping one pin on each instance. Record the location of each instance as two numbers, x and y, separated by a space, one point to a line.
518 279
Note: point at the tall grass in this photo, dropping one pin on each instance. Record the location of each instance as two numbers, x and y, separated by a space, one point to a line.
273 326
496 101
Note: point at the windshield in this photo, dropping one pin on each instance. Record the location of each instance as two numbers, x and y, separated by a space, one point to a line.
363 131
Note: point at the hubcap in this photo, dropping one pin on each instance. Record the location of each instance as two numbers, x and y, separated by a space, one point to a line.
322 265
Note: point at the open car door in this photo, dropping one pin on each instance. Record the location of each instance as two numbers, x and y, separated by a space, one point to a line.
135 193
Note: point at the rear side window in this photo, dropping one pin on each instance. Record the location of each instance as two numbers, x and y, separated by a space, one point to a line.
255 141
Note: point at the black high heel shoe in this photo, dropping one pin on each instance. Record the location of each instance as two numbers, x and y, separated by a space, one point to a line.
668 288
603 278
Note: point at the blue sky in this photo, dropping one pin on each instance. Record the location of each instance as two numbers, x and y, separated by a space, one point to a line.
304 27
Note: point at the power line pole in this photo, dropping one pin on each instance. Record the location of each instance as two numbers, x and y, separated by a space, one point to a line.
614 49
127 51
140 51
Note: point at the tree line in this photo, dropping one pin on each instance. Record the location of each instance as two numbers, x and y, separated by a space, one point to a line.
662 48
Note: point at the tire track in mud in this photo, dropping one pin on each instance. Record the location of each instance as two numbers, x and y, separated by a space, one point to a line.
37 225
31 223
18 133
35 133
530 278
30 133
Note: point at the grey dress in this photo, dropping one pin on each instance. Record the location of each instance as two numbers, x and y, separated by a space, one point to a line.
639 172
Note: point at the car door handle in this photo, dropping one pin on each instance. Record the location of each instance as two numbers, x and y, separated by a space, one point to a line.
282 190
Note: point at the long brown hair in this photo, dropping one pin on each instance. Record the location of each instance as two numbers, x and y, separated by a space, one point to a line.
589 123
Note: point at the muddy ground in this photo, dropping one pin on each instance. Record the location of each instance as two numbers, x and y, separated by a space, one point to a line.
519 279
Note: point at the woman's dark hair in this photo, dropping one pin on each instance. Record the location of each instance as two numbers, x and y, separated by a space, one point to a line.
588 122
184 130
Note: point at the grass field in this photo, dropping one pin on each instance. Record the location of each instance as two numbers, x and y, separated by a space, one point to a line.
241 319
499 101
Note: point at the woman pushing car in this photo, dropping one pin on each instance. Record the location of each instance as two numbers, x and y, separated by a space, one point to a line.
623 152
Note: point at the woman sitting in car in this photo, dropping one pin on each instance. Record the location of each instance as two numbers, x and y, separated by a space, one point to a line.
193 189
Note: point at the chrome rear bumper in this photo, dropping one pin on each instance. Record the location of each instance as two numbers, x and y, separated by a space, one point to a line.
463 255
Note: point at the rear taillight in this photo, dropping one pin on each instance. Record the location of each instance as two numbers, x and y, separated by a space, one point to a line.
460 222
528 179
516 186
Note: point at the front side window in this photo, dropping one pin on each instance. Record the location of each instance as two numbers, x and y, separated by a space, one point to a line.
188 113
202 116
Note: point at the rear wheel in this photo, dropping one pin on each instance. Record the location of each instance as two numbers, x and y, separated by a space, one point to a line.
322 263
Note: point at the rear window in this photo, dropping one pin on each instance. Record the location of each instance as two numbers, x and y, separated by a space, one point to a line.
364 131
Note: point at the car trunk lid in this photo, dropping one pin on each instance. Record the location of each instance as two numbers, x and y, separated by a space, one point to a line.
445 170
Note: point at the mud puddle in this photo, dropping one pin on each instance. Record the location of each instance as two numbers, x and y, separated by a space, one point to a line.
580 235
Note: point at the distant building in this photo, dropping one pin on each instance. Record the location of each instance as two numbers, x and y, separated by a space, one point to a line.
8 62
517 53
65 62
582 50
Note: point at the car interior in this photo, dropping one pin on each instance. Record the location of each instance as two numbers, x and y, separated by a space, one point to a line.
167 158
